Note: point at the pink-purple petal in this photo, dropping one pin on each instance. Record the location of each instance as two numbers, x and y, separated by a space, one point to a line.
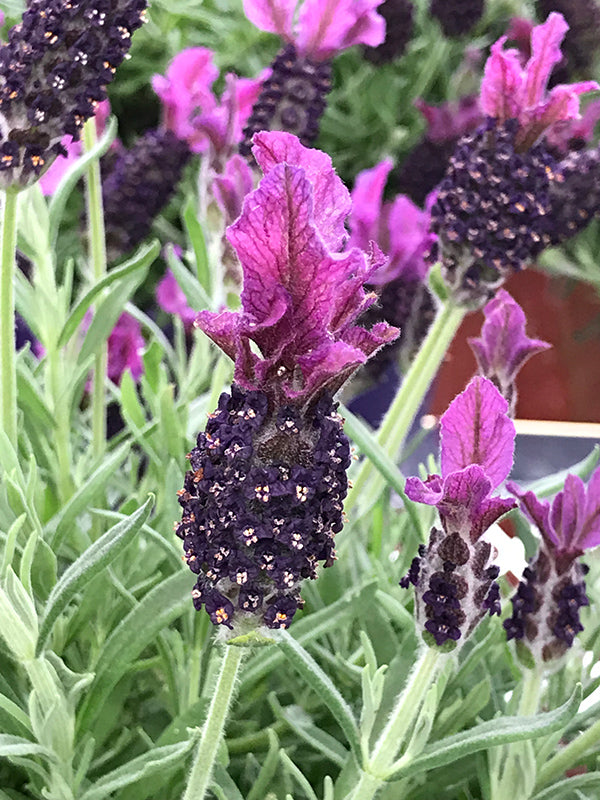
502 83
367 196
545 54
429 492
589 534
537 511
231 187
331 200
475 429
567 512
273 16
326 27
171 299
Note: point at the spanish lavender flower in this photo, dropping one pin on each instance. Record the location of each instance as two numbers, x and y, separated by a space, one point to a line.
426 165
401 229
193 112
454 576
493 209
398 16
139 186
504 347
547 603
293 97
53 73
263 499
581 42
457 17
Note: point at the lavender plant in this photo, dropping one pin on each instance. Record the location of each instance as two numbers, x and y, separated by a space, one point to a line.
336 631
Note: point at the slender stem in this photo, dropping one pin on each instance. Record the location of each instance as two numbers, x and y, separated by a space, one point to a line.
214 725
62 402
397 421
399 725
569 756
508 772
406 709
8 366
97 255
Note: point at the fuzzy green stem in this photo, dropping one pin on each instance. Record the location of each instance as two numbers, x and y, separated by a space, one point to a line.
62 403
508 775
214 725
399 725
97 255
570 756
8 366
398 419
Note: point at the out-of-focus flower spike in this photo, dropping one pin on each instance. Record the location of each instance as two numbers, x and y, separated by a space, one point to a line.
457 17
399 19
171 299
139 186
53 72
504 347
293 97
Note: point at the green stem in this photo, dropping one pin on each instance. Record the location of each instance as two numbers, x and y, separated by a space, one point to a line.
507 772
399 725
214 725
61 403
406 709
569 756
8 366
397 421
97 255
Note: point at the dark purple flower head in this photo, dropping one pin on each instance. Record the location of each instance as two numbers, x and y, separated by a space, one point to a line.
454 576
324 27
398 16
139 185
301 295
457 17
546 605
53 72
504 347
510 91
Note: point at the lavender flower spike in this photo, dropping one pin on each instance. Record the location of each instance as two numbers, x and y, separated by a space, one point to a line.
454 576
293 97
546 605
496 208
263 498
53 73
504 347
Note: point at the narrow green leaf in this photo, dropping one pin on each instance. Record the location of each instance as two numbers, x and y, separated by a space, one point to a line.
107 313
30 399
322 684
15 711
141 260
132 408
92 561
18 746
267 772
82 500
196 235
189 285
156 761
223 785
301 723
369 446
502 730
565 790
73 174
155 611
296 773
